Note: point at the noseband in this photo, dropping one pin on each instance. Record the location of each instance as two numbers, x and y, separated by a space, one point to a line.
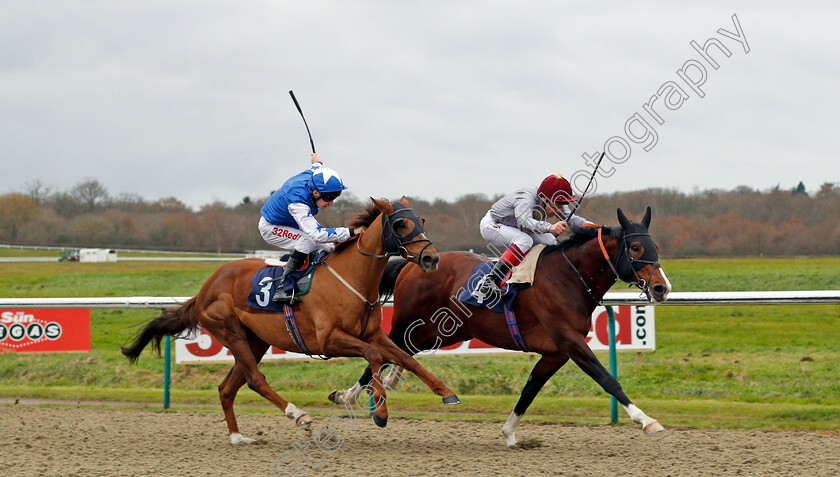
395 244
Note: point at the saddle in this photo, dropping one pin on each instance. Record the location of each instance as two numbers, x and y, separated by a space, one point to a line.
521 277
267 293
298 282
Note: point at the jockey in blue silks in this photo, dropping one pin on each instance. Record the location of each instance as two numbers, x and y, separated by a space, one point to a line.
288 216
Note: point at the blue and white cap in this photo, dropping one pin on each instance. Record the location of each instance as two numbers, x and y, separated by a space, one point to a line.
327 180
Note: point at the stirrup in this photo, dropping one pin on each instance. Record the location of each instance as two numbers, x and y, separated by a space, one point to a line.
485 289
282 297
292 265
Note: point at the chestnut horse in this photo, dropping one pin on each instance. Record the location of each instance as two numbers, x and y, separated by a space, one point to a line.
340 315
554 314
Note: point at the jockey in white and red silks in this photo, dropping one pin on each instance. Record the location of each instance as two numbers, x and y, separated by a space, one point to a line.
288 216
517 221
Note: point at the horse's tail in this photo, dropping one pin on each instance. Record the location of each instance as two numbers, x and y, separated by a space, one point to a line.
389 278
172 321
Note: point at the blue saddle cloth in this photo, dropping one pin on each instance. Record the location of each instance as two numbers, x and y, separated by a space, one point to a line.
495 303
264 284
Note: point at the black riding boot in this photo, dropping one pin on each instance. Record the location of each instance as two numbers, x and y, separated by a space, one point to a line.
490 287
295 262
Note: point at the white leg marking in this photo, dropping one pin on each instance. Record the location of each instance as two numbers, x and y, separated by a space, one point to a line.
509 429
393 379
298 415
348 396
237 438
649 424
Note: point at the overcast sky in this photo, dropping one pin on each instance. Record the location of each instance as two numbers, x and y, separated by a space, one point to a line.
429 99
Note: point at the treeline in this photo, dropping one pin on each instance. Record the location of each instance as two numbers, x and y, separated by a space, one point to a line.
741 222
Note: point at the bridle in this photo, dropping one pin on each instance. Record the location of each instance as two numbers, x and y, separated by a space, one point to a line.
396 244
636 264
629 264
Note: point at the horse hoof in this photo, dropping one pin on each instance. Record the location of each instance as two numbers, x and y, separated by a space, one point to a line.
303 420
653 428
451 399
380 421
332 395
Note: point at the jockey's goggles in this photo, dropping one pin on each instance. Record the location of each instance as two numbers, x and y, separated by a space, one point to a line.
329 196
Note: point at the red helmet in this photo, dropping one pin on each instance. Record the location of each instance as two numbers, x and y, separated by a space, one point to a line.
556 189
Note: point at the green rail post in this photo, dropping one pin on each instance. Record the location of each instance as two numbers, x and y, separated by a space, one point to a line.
166 371
613 363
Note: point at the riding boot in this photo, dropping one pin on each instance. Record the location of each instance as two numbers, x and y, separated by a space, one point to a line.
295 262
491 283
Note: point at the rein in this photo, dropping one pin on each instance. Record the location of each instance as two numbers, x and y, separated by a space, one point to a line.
373 255
582 280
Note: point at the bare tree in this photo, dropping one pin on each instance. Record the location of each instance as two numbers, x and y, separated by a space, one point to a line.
90 192
36 190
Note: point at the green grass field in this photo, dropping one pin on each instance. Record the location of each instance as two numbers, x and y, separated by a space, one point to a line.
761 367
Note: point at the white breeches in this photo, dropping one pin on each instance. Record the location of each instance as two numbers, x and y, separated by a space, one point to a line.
504 236
290 238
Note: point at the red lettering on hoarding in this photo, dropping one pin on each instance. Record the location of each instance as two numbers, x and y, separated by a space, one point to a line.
623 333
212 350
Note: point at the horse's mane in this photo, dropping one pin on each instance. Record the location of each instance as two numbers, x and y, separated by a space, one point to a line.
363 219
580 236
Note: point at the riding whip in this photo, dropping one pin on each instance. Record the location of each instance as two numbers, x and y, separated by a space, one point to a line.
292 94
597 165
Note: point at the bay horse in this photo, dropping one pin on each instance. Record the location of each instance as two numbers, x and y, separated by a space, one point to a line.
340 315
554 314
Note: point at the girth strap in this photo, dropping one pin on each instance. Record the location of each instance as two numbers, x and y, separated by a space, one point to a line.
513 327
294 332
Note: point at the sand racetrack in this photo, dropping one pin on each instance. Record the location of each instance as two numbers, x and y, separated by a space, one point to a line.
85 441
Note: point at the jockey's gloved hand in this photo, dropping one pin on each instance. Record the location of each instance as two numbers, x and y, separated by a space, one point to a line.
558 228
